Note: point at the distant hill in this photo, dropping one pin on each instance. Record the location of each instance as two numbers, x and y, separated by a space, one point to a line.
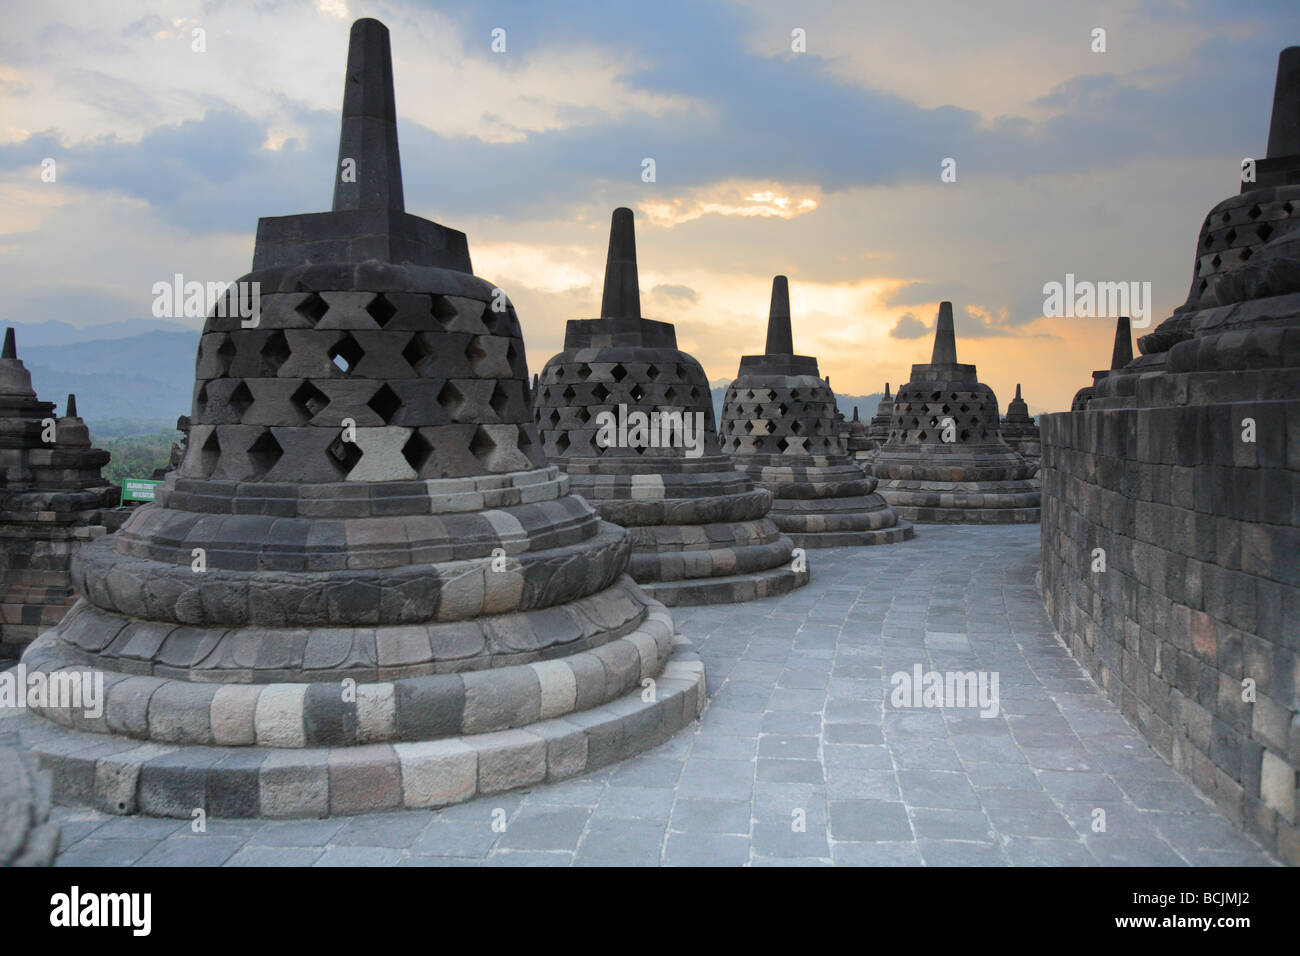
145 378
54 332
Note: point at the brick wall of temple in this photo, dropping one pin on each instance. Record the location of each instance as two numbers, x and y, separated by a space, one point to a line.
1201 588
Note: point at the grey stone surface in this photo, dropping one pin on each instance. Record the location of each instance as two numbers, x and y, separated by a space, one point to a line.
699 799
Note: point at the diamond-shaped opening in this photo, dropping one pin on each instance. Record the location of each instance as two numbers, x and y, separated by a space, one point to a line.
1230 235
782 409
652 373
309 400
443 310
1287 207
344 454
584 371
568 394
921 436
416 451
481 445
450 398
201 400
226 353
559 373
474 351
345 354
796 427
637 393
1264 230
670 394
416 351
1216 261
1255 212
584 416
1246 254
600 393
384 403
554 418
265 452
210 455
749 427
524 441
512 356
794 394
965 435
499 401
381 310
618 372
240 399
312 308
695 394
782 444
275 352
562 443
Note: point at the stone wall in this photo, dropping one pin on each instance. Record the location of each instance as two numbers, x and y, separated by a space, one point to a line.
1201 589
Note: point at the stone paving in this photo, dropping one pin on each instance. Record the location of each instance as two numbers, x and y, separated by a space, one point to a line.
799 728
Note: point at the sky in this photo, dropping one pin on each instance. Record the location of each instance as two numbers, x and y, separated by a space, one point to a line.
823 164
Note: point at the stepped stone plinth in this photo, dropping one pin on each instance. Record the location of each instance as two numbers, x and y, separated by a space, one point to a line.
364 587
53 500
779 425
944 459
700 529
1019 429
1182 471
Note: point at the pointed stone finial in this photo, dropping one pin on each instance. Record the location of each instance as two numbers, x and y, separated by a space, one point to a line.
534 382
72 406
828 381
1018 391
1284 129
1123 351
855 413
779 339
11 346
886 390
369 171
622 296
945 339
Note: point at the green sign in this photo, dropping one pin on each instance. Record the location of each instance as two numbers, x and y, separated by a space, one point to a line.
137 489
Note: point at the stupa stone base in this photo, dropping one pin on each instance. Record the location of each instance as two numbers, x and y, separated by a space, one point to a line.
27 836
119 775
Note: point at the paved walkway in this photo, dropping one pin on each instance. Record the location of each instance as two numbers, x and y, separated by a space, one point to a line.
801 759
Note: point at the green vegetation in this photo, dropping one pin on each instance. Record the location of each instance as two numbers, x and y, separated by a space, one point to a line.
136 456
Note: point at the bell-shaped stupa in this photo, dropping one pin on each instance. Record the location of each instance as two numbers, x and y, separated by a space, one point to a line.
945 460
630 417
779 425
364 587
1019 429
53 500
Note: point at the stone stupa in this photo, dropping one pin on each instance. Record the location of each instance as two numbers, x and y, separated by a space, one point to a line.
779 425
1120 355
878 429
858 444
364 587
700 529
1019 430
53 500
945 460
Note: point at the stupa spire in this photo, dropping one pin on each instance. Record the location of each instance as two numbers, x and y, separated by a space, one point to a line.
1284 127
369 171
72 406
780 340
11 346
945 339
622 296
1122 354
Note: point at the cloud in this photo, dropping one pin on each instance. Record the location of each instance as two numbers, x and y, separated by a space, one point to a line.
909 326
676 292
